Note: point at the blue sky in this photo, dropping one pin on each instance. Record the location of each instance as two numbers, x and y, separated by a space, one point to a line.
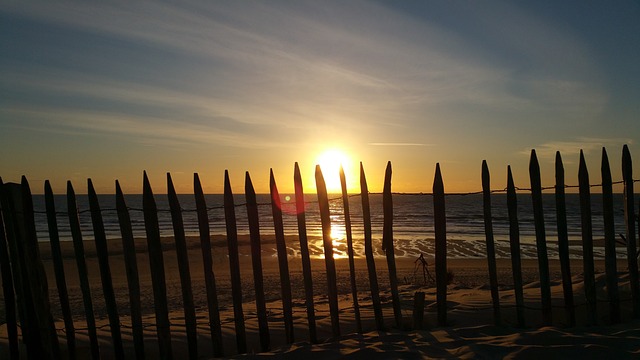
104 91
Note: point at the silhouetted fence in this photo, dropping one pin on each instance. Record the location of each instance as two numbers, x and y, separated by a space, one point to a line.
26 292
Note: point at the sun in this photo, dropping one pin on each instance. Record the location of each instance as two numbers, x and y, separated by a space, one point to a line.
330 162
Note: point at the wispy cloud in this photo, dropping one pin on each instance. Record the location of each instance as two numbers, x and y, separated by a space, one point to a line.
141 129
399 144
321 61
258 74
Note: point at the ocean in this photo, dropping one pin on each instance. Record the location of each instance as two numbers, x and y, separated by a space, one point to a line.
413 228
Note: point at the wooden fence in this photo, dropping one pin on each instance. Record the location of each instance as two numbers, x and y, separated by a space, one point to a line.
26 292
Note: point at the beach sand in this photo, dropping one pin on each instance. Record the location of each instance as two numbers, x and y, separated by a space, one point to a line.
470 331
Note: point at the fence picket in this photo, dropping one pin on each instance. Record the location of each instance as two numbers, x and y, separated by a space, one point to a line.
368 250
514 246
256 253
207 265
58 267
609 241
387 244
563 242
629 222
37 283
131 266
234 265
183 269
285 282
8 288
491 251
78 246
102 252
156 263
541 242
352 266
587 242
25 310
440 225
304 254
325 219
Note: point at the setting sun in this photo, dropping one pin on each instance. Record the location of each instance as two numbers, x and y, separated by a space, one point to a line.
330 162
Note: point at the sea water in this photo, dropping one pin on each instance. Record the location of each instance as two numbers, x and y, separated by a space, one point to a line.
413 228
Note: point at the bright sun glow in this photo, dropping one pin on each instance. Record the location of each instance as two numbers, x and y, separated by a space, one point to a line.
330 162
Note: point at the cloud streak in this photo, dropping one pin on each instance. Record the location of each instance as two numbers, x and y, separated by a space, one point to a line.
314 68
138 129
400 144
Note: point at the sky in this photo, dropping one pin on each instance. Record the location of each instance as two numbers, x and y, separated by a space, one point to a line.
107 90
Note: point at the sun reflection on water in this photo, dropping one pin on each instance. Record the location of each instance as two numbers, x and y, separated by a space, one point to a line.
339 241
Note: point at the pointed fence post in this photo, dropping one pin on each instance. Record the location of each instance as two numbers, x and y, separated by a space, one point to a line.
368 250
234 265
304 254
156 263
58 267
102 251
78 246
17 269
541 241
131 266
387 244
183 269
491 251
629 222
325 218
256 257
610 240
587 242
32 291
514 245
440 225
207 265
563 242
8 288
352 266
285 282
35 268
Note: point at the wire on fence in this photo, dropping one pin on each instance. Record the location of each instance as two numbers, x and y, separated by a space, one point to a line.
238 205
